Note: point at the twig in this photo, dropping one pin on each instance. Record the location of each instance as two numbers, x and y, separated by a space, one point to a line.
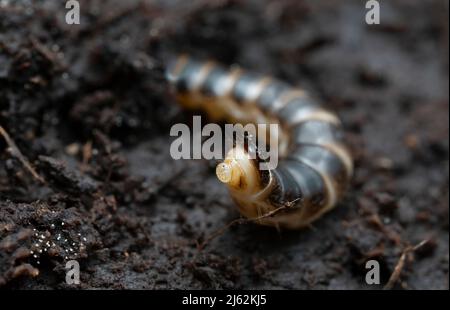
16 152
401 263
239 221
47 53
87 155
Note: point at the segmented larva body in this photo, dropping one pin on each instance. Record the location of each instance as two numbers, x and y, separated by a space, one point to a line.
314 168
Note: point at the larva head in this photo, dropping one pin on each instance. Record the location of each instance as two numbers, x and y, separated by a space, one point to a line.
239 171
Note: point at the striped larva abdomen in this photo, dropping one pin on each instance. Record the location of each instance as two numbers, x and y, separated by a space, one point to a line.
315 167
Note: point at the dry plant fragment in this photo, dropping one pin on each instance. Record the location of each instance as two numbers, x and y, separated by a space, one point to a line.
16 153
401 263
222 230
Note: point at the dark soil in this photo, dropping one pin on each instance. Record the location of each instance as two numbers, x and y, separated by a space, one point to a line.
88 106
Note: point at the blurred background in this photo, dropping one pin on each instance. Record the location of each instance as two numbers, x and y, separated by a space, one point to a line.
88 107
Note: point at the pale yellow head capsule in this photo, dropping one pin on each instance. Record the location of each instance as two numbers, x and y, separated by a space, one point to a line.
229 173
238 171
241 175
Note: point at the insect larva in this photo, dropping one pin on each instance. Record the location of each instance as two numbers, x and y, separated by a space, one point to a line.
315 166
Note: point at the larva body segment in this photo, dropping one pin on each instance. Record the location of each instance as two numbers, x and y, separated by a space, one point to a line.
315 167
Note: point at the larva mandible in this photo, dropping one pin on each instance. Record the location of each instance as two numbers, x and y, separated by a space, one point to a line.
315 166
